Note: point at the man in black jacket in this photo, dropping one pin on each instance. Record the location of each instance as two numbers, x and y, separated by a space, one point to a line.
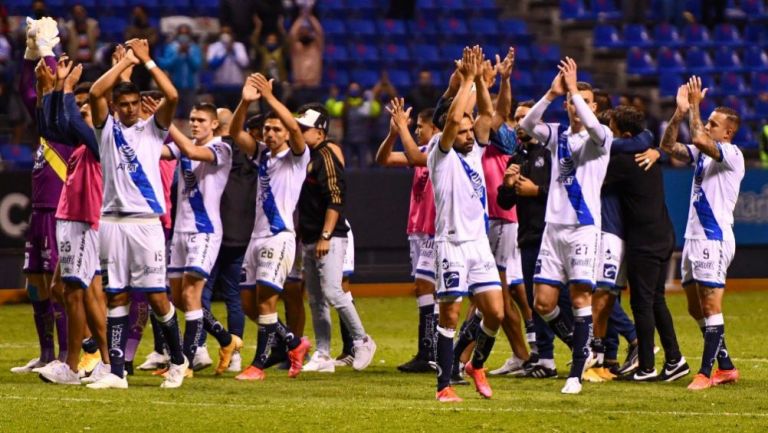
526 184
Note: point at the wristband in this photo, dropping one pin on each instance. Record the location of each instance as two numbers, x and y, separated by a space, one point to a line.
150 65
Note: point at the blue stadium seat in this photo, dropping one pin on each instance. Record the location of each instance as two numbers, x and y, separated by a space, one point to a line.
426 55
332 5
606 36
759 82
605 10
400 78
732 83
668 83
334 28
454 8
339 77
367 78
423 27
574 10
755 59
639 62
756 34
520 79
636 35
393 30
363 9
336 53
707 107
515 30
666 35
761 110
112 28
754 9
19 154
697 35
745 138
728 35
366 54
698 61
363 28
395 54
453 27
522 55
485 27
670 60
727 59
546 53
451 52
737 104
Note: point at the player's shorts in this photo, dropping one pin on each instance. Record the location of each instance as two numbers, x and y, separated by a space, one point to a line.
40 253
706 262
132 254
297 270
568 255
465 268
503 238
268 260
423 257
514 271
611 268
193 253
78 252
349 255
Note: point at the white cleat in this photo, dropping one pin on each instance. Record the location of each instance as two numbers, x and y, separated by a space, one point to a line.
47 367
154 361
320 363
97 373
364 353
60 374
109 381
346 361
235 365
513 366
28 367
572 386
202 359
176 374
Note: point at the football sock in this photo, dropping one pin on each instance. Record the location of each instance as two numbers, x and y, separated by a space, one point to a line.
444 356
265 339
216 328
44 324
485 340
90 345
582 329
426 325
714 330
285 334
169 325
60 317
117 336
193 327
157 336
723 358
561 325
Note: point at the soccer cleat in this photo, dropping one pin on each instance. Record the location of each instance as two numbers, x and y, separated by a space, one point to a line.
320 363
176 374
632 362
591 375
46 367
416 365
128 368
673 372
28 367
364 353
645 376
88 362
202 359
344 360
572 386
457 375
538 371
448 395
296 357
700 382
225 354
109 381
97 373
235 365
512 366
252 373
60 374
481 383
154 361
605 373
721 377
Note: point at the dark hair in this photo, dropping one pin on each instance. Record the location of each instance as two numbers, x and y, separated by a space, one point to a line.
583 85
427 114
602 99
732 116
124 88
629 119
208 108
83 87
154 94
527 103
605 116
255 122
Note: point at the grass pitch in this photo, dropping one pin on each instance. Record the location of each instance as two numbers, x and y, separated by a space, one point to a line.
382 399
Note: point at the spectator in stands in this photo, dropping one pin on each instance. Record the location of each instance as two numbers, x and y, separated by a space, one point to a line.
306 39
182 58
271 57
82 35
383 92
228 60
425 94
140 28
271 14
240 16
356 110
651 122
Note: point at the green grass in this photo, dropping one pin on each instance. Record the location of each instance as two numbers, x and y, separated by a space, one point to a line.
382 399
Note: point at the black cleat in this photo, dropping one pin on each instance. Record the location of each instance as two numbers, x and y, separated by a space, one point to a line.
640 376
457 376
631 363
537 371
416 365
128 368
672 372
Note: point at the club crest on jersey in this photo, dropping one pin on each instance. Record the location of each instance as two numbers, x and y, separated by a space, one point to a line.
451 280
610 271
127 158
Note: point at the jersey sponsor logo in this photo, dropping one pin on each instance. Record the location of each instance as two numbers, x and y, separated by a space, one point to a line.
703 264
567 177
610 271
267 198
701 204
581 262
451 279
130 163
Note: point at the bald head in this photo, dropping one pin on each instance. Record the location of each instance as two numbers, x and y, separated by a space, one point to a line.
225 118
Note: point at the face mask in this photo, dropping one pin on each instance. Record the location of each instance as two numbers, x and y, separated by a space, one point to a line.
272 46
183 39
306 39
226 38
39 13
354 93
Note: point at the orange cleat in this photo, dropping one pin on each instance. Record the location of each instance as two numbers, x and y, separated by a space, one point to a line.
720 377
700 382
481 383
296 356
225 354
251 373
160 372
448 395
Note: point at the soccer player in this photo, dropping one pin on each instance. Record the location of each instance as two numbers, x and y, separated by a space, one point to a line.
571 240
324 241
709 242
465 262
421 221
132 249
48 175
282 162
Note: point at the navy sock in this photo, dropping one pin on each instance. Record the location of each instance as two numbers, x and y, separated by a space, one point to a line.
193 328
285 334
425 315
264 344
483 346
467 334
723 358
561 326
216 328
90 345
157 335
117 335
277 353
582 327
444 357
713 337
172 336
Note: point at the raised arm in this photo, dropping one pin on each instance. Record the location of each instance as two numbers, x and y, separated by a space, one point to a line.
532 123
164 114
242 139
504 101
400 116
72 121
188 147
385 156
597 132
102 86
669 142
483 81
700 138
468 67
264 86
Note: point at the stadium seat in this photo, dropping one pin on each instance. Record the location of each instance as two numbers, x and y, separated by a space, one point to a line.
759 82
639 62
335 28
395 54
339 77
745 138
736 103
363 9
20 155
522 55
426 55
697 35
336 53
393 30
669 82
605 10
422 26
332 5
732 83
363 29
666 35
366 54
400 78
706 108
756 34
607 37
367 78
670 60
454 8
754 9
486 27
520 79
574 10
698 61
546 53
761 110
450 52
755 59
453 27
726 59
513 27
727 35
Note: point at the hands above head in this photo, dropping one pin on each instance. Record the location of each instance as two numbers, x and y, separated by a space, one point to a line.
73 78
695 91
683 99
504 67
568 69
63 68
400 116
46 79
250 91
488 73
149 104
263 85
140 48
469 65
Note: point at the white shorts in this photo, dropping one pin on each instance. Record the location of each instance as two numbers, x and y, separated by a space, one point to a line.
132 254
349 254
78 252
611 269
297 270
514 271
268 260
423 257
465 268
568 255
706 262
193 253
503 238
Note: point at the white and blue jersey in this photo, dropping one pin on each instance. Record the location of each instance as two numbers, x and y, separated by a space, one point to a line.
200 187
280 178
130 158
714 191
